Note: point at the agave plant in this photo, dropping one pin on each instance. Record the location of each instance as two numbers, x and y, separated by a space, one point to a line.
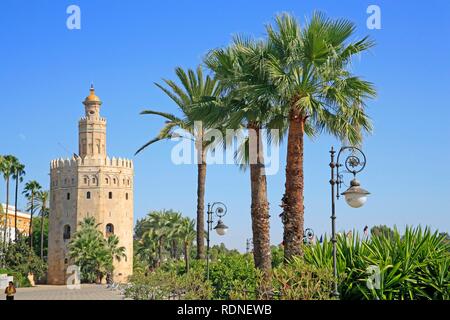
414 265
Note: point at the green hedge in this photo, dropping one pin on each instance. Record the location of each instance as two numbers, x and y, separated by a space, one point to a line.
20 280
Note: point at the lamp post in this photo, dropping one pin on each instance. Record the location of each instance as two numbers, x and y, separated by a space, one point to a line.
249 245
220 210
308 236
355 196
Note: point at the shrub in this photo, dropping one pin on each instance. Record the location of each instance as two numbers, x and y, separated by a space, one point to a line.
233 272
163 284
298 280
20 280
412 266
21 260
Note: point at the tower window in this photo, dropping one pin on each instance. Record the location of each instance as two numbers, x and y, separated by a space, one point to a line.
94 180
85 180
88 195
110 195
109 229
66 232
114 180
106 180
68 196
126 196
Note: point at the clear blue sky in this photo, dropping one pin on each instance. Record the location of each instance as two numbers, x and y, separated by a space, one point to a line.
125 46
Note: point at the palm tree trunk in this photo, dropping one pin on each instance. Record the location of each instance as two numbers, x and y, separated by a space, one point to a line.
201 177
186 256
160 252
260 212
30 229
6 214
16 230
42 232
292 202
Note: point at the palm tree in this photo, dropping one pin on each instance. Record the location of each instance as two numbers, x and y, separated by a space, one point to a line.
117 253
18 173
148 249
239 70
194 86
309 68
174 220
7 170
42 206
187 235
88 250
31 189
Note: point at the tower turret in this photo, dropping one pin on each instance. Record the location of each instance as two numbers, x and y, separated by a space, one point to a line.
92 128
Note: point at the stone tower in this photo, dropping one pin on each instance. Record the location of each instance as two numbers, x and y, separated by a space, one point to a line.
90 185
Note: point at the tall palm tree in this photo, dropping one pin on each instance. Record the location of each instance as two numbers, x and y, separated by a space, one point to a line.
194 86
31 189
7 171
42 206
310 69
239 68
18 173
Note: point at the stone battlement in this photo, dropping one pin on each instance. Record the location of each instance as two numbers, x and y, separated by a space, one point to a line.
91 161
101 119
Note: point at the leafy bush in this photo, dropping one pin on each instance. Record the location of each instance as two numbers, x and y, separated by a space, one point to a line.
297 280
20 280
21 260
231 273
162 284
412 266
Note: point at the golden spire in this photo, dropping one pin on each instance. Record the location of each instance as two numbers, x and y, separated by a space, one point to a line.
92 97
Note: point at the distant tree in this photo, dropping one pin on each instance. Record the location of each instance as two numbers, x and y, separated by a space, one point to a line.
382 230
20 258
43 207
30 191
37 235
18 174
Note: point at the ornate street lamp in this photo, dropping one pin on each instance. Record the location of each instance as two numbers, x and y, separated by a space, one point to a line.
355 196
308 236
220 210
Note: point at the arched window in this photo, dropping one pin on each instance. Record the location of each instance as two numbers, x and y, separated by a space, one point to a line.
66 232
94 180
68 196
126 196
106 180
110 195
109 229
88 195
114 180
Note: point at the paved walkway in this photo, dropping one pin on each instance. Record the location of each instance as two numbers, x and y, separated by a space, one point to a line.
86 292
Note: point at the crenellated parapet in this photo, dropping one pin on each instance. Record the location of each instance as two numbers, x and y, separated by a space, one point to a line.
91 162
99 119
